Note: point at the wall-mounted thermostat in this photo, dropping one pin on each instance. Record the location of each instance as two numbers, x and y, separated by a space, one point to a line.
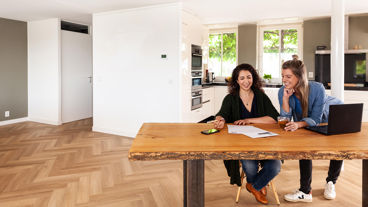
310 74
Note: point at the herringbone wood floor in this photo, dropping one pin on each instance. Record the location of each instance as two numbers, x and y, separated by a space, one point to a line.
69 165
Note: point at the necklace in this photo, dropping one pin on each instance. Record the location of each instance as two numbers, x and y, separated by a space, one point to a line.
248 99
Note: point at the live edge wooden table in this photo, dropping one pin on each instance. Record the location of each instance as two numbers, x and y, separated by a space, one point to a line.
183 141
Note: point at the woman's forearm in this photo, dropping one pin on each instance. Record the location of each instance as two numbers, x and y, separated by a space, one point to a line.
285 105
302 124
262 120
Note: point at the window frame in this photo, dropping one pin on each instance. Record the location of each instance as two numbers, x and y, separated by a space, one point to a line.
261 29
222 31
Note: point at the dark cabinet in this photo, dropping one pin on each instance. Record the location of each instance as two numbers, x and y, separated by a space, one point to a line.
355 68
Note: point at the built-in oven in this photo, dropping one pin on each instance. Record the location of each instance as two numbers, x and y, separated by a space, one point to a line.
196 58
196 74
196 77
196 83
196 99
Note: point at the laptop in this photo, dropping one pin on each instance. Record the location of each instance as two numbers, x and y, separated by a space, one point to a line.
343 118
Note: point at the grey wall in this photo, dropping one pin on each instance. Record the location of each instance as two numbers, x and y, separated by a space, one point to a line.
13 69
316 32
358 31
247 44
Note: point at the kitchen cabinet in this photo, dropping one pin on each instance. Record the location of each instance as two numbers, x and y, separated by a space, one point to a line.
208 102
208 94
192 32
356 97
220 93
272 93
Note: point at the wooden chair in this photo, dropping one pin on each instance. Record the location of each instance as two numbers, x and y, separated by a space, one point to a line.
242 176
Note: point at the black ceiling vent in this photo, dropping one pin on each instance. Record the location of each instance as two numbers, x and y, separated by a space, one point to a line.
74 27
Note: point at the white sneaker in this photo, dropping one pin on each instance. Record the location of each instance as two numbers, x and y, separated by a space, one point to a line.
298 196
330 192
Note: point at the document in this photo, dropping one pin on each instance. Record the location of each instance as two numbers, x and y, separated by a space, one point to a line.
250 131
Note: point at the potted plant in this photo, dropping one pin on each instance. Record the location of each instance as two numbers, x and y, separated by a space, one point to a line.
267 77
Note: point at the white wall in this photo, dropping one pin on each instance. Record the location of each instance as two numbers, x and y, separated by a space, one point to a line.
132 84
76 67
44 71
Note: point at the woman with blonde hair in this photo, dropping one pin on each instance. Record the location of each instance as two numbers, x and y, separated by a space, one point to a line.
308 105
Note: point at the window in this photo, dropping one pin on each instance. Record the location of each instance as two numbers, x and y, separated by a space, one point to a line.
222 53
278 44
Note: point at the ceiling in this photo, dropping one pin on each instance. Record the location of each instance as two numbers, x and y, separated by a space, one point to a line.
210 11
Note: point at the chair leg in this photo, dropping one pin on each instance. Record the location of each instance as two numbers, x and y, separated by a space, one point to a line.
238 194
275 192
240 187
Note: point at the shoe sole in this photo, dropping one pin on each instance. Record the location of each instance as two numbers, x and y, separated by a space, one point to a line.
251 192
329 198
300 200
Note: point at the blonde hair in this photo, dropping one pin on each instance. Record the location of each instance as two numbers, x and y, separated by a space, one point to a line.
298 68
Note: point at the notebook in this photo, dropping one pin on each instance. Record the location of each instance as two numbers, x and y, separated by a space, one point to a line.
343 118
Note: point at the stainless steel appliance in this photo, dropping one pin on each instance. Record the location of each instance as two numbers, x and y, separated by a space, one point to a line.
196 99
197 74
196 58
196 83
210 77
196 77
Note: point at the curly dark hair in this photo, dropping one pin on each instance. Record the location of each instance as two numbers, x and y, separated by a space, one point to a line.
233 85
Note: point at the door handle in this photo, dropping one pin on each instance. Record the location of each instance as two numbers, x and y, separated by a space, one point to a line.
90 79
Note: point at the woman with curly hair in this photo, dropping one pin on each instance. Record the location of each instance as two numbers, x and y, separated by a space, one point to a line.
247 103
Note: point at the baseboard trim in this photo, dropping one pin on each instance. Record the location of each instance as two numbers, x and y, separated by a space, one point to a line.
114 132
43 121
13 121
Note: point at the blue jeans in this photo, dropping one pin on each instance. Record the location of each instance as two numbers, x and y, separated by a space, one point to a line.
260 179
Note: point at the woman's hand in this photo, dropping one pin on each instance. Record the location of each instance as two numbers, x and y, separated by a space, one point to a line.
285 99
219 122
288 92
291 126
242 122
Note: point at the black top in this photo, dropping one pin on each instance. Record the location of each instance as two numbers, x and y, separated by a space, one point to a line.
244 113
230 108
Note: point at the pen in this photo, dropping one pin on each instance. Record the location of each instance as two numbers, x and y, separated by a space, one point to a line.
264 133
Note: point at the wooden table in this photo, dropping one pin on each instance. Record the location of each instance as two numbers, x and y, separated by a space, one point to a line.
171 141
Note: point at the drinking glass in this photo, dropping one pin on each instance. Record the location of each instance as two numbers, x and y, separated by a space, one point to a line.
282 121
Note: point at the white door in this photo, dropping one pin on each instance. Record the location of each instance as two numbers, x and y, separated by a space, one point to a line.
76 76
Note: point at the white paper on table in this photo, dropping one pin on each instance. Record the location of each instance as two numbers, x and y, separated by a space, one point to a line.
250 131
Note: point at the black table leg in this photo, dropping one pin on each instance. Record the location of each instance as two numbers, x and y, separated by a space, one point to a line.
193 183
365 184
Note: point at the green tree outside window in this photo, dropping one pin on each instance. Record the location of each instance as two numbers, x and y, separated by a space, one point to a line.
278 46
222 60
